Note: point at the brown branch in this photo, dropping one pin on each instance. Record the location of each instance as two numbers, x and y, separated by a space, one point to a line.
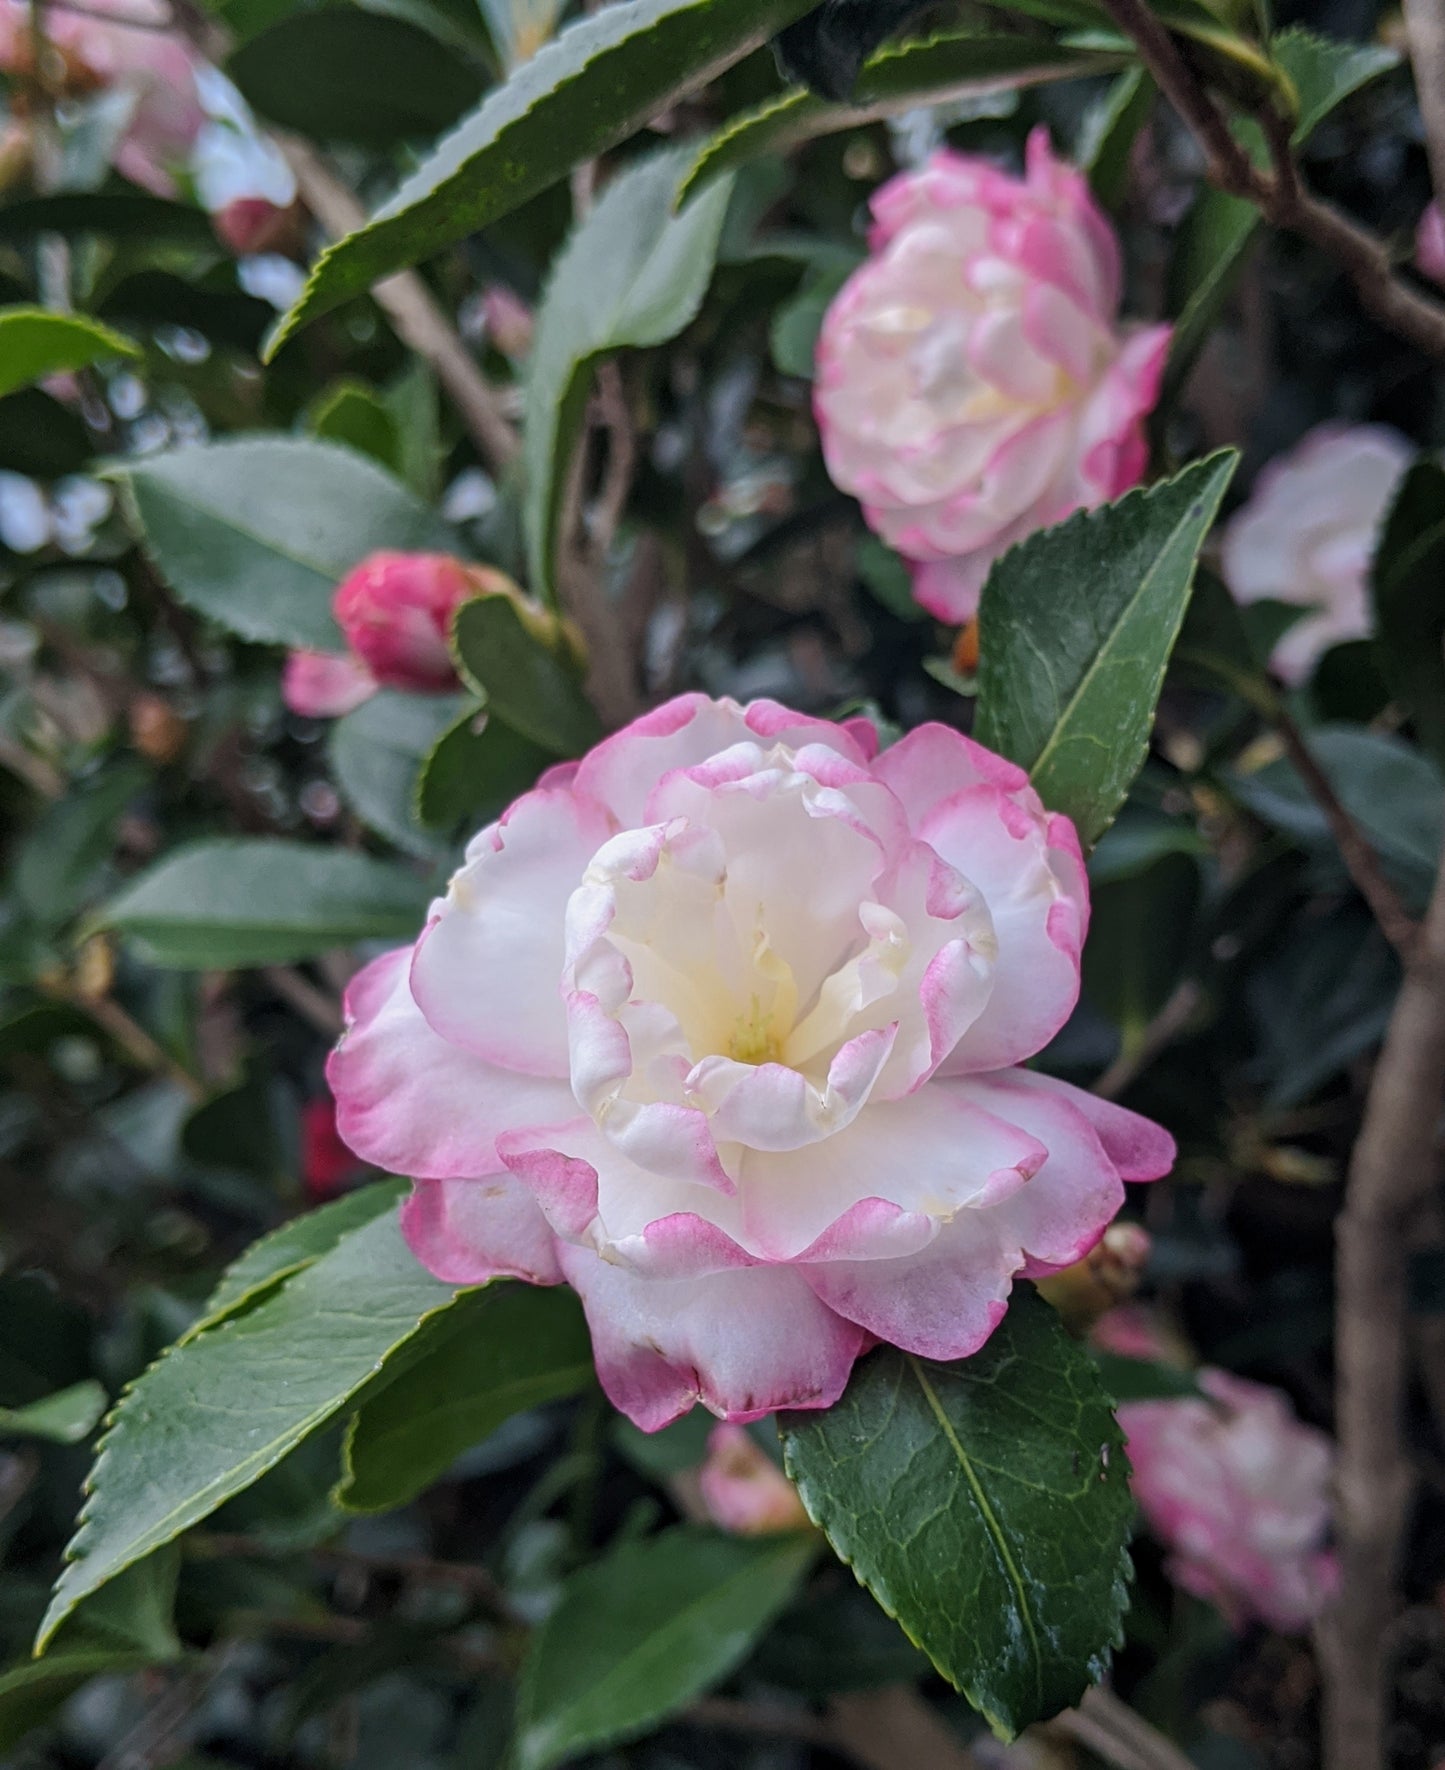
1281 198
1113 1732
312 1004
1391 1172
896 1729
1425 30
408 304
1161 1032
1361 861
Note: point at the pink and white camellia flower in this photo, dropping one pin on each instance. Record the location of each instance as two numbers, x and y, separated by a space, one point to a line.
721 1026
974 383
744 1490
1239 1490
395 612
1308 533
121 47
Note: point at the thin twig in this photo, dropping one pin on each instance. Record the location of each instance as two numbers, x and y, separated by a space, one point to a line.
1112 1730
896 1729
1161 1032
1282 200
408 304
1361 861
1391 1173
1425 29
143 1050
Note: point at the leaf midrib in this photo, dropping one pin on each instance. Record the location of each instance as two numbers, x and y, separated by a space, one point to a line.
1105 652
990 1520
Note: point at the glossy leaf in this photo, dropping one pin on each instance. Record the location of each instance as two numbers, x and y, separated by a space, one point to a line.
377 753
351 413
262 901
985 1504
213 1414
527 686
256 533
67 1417
503 1349
931 70
58 863
475 770
645 1630
1075 630
1408 587
593 86
35 343
633 274
387 81
1110 132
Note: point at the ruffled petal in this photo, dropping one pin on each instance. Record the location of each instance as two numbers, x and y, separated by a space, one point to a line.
472 1231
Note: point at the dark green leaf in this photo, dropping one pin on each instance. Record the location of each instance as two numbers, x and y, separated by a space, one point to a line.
31 1694
262 901
57 864
40 436
66 1417
642 1632
122 215
594 85
376 756
1325 72
1141 931
1075 630
1111 131
985 1504
1408 585
504 1349
35 343
526 686
476 770
835 1638
386 81
132 1614
932 70
1142 1379
257 532
1391 791
216 1412
352 413
632 274
793 334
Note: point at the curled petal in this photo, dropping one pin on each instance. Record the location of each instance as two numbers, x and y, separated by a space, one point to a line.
472 1231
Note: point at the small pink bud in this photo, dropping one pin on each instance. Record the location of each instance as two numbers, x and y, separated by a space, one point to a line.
324 685
508 321
1430 244
396 610
744 1490
251 225
1107 1274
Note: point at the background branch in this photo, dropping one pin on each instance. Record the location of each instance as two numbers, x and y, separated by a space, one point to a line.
1425 28
1391 1171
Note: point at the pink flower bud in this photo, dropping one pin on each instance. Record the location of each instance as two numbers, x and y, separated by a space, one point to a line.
974 383
1308 533
508 321
324 685
1430 244
1239 1491
249 225
396 610
744 1490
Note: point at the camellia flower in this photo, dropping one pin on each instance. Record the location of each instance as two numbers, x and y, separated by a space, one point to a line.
973 381
1430 243
395 611
120 47
1307 535
1239 1490
721 1026
744 1490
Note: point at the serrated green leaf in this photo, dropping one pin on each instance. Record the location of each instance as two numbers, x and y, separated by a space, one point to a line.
1407 583
356 416
377 753
593 86
1325 73
985 1504
505 1349
294 1246
525 685
66 1417
244 901
632 274
215 1413
645 1630
35 343
134 1613
930 70
257 532
475 770
1144 1379
1075 630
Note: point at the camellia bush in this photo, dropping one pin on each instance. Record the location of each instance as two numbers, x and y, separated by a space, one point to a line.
722 961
